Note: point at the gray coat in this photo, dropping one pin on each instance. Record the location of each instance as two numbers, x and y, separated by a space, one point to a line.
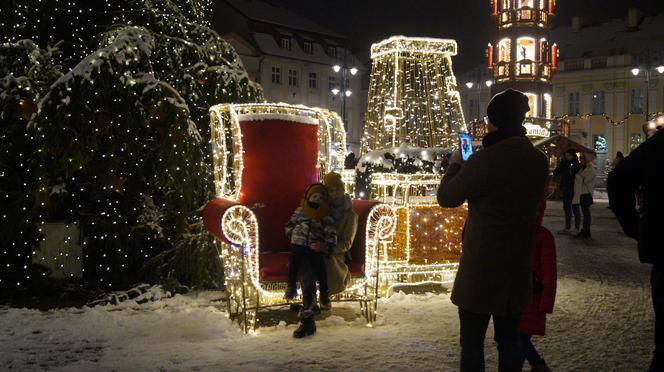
503 184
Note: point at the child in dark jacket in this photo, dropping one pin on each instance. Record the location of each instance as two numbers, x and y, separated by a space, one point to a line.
312 233
533 319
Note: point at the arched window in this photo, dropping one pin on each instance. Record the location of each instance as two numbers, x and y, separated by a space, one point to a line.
526 3
525 49
504 48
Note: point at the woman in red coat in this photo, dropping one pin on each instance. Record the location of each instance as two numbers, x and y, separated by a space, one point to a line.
533 319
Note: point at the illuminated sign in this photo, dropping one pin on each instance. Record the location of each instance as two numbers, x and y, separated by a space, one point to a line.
533 130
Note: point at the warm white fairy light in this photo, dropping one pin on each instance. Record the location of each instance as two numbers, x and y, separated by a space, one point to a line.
165 48
413 95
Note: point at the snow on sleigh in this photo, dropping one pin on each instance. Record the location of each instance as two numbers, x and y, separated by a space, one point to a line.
265 156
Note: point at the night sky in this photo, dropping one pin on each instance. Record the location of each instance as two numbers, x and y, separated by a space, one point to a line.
368 21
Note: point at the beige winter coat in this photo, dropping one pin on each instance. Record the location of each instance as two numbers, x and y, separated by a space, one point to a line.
338 274
584 182
503 185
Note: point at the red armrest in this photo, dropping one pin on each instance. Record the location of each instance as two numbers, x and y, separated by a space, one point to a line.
213 212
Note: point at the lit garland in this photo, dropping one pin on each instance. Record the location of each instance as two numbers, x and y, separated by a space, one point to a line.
246 292
413 95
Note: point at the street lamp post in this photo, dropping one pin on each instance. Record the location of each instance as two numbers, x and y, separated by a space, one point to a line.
647 66
345 86
470 85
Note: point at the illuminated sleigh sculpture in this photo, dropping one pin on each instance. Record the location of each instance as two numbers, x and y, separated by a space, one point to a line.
265 155
427 244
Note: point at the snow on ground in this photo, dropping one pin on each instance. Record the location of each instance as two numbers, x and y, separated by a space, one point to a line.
602 322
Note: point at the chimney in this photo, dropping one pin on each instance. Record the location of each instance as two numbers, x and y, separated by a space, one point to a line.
634 18
577 23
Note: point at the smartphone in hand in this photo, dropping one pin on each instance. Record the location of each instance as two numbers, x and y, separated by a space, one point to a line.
465 145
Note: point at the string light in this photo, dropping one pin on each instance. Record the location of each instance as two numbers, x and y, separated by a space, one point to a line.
119 131
413 94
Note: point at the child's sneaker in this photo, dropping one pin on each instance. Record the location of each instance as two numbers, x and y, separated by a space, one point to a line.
326 307
290 294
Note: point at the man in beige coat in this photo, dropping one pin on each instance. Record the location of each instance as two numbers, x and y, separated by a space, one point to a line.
341 209
503 184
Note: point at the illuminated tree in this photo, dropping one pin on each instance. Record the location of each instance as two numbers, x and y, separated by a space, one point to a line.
122 137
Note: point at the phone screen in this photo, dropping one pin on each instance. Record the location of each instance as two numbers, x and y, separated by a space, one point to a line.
465 145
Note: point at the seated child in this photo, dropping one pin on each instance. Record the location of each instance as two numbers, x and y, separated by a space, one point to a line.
312 233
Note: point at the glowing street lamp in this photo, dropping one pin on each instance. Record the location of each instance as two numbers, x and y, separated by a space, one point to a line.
335 91
488 83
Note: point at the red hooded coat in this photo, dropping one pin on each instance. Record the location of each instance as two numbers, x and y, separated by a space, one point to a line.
533 319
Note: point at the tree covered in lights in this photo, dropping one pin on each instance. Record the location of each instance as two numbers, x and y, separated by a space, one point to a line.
120 136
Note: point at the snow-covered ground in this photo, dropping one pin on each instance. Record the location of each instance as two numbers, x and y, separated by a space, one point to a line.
602 322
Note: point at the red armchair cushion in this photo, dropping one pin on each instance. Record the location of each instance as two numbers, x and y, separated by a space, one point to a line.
280 160
273 267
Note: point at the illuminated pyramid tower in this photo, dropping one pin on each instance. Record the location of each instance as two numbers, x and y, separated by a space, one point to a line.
413 96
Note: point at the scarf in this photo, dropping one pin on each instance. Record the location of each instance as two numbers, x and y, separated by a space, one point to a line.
314 213
338 210
503 134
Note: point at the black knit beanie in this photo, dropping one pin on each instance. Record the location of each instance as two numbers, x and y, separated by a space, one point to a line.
508 109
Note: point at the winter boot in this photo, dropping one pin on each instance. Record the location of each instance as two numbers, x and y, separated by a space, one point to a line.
290 294
307 328
540 367
583 234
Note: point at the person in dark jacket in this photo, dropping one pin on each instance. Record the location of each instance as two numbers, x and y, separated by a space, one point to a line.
533 319
495 272
642 173
566 171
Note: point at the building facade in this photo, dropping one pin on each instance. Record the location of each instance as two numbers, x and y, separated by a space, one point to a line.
598 87
293 58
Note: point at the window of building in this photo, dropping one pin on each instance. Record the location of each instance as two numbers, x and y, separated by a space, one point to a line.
332 82
308 47
598 103
312 80
285 43
636 103
532 102
525 49
332 51
292 78
504 47
573 107
635 139
276 75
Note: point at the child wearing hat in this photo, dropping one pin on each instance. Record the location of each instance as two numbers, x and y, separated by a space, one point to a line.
312 233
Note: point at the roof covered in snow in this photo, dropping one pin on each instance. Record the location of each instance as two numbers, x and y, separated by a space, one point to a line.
264 11
612 37
268 44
